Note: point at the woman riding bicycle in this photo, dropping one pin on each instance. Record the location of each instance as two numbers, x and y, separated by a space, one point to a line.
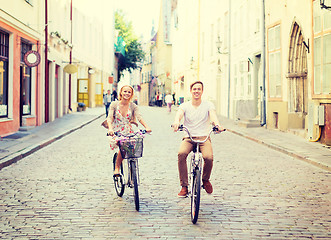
122 114
197 116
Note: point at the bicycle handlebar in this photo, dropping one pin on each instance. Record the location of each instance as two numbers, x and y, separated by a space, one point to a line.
214 129
118 134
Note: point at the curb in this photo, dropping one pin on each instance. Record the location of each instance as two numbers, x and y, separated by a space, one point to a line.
17 156
280 149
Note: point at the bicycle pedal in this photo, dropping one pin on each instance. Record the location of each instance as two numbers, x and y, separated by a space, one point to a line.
117 176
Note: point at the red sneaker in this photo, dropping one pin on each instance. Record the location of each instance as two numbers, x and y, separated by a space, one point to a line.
183 192
207 186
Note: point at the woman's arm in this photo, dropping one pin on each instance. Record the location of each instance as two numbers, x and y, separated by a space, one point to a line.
137 115
110 118
142 121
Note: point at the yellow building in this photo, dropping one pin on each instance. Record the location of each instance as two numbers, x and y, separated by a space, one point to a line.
298 68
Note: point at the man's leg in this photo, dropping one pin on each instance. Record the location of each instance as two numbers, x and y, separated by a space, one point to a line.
184 149
207 154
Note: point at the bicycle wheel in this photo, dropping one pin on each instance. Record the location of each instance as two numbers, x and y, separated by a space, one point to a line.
195 195
118 181
135 184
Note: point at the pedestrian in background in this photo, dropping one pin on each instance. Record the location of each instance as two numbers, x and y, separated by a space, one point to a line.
107 101
158 99
122 114
161 99
168 100
114 95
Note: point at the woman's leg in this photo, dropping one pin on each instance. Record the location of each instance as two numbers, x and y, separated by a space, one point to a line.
119 161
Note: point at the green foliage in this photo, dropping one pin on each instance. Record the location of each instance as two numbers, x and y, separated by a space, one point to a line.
133 49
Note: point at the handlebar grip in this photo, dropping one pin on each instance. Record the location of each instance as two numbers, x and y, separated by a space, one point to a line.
115 133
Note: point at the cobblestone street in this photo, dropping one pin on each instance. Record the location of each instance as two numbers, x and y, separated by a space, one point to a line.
66 191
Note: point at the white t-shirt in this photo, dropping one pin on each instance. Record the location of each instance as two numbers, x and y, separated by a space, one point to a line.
197 119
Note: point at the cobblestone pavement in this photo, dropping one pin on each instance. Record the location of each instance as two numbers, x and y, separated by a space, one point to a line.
65 191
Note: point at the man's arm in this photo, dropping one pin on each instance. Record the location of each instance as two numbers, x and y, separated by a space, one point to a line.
178 118
214 120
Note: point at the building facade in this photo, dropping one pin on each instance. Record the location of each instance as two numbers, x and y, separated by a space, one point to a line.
35 86
298 66
20 81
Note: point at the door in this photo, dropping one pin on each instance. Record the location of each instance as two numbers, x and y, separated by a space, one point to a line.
82 95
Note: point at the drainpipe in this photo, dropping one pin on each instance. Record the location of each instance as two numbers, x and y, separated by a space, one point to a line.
46 65
198 70
70 57
229 60
263 107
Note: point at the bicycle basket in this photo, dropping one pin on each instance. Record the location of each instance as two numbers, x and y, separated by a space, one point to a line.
131 148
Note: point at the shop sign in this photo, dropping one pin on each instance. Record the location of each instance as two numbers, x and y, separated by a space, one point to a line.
31 58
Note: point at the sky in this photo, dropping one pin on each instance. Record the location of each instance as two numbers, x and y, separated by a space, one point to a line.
141 13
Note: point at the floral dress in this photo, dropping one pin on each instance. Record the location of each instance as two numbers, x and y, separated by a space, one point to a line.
121 124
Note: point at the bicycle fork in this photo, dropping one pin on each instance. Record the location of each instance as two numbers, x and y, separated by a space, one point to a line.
195 166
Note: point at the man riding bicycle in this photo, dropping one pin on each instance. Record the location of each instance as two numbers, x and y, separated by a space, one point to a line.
197 116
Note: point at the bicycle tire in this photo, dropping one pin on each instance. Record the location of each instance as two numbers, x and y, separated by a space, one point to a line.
195 195
135 184
118 181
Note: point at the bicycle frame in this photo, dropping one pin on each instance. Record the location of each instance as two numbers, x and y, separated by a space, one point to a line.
195 164
129 172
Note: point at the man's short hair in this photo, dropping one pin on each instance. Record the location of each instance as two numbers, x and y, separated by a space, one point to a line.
196 82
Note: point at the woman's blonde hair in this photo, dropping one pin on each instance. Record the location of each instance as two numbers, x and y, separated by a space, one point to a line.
120 94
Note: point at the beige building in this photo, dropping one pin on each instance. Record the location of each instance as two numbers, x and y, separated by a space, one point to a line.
185 45
298 68
146 75
163 56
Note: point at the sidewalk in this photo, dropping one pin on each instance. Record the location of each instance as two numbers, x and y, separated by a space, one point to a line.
22 144
288 143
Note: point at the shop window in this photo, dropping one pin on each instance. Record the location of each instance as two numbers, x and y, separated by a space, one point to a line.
25 80
4 46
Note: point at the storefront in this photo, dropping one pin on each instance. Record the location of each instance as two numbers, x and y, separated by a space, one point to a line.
19 80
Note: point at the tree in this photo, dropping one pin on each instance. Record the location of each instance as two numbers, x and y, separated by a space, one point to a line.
134 53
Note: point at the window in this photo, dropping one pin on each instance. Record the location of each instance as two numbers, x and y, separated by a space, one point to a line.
4 46
322 50
25 80
274 56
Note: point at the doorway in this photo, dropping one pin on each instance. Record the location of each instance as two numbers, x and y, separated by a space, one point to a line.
82 95
297 79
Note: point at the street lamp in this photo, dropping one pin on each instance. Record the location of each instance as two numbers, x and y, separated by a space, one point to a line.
325 4
91 70
219 45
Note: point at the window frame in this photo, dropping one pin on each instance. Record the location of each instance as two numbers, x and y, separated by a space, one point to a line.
4 57
319 55
274 52
25 47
